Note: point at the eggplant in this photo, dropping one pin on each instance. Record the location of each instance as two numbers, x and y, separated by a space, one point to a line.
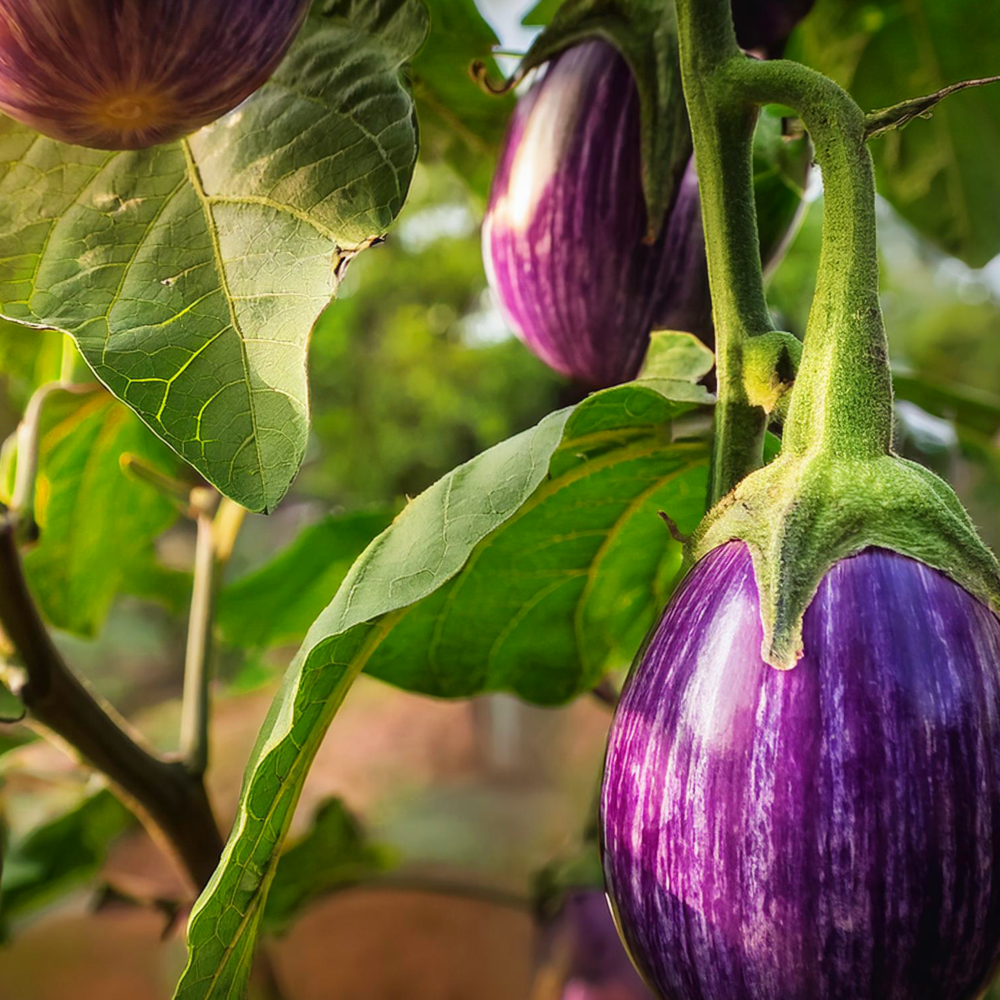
565 233
128 74
580 956
827 832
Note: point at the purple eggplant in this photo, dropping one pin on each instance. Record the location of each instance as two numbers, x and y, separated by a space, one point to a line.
580 955
563 238
127 74
830 832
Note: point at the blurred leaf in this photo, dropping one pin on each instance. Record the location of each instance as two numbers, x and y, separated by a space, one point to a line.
458 120
149 580
59 856
11 710
190 274
541 13
277 603
96 523
335 853
29 358
964 405
939 174
524 570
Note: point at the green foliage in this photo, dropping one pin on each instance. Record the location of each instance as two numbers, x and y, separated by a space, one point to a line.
521 570
542 13
277 603
411 373
190 274
59 856
939 174
87 508
459 121
334 854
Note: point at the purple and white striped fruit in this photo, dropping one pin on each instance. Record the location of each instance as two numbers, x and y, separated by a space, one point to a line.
580 955
828 832
564 234
127 74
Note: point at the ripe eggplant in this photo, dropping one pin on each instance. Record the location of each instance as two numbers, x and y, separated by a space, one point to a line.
564 238
127 74
829 832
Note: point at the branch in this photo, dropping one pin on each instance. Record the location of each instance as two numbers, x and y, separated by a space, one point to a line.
900 115
218 524
170 800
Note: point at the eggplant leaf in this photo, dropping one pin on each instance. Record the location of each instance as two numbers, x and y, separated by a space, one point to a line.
190 274
529 569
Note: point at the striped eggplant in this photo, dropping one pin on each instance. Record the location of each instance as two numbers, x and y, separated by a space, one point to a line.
829 832
564 237
127 74
580 956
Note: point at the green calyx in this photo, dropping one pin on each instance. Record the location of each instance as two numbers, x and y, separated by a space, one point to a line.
836 488
645 33
804 513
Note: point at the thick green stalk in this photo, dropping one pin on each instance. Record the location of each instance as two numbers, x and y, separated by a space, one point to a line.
722 127
842 402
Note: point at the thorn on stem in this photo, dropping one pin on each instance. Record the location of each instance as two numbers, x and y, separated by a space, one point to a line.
675 533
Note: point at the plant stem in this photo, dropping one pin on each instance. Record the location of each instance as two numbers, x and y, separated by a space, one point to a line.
722 129
842 401
217 526
164 794
197 656
843 397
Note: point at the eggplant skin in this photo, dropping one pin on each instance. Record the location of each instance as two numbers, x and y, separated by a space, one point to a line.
563 237
128 74
580 956
831 832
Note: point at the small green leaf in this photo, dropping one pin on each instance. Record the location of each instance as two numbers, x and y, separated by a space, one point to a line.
59 856
277 603
335 853
528 569
87 508
678 358
939 173
190 274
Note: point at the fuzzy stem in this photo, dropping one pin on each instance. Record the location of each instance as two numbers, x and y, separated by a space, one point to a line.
722 127
842 402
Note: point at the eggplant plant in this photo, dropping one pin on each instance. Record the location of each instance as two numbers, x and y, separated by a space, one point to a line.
800 796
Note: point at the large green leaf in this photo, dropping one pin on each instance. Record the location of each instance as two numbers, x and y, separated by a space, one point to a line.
458 120
190 274
277 603
97 524
526 569
940 174
59 856
335 853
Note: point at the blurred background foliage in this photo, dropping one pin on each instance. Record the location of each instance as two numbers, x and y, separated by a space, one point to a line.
413 371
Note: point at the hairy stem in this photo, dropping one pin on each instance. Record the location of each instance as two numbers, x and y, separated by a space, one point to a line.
843 397
170 800
722 127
